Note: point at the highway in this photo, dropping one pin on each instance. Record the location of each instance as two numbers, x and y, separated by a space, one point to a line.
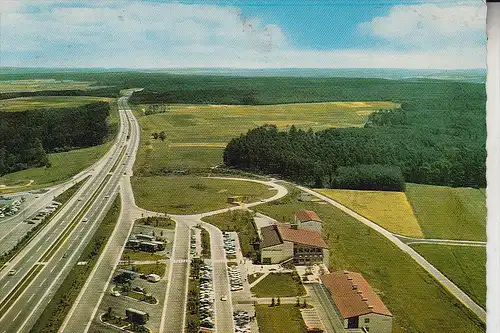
44 263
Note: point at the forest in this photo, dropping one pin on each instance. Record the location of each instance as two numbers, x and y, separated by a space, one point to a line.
440 142
26 137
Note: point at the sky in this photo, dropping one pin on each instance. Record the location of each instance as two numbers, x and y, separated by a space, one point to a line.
437 34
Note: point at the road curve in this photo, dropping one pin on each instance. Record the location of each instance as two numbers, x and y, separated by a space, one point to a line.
443 280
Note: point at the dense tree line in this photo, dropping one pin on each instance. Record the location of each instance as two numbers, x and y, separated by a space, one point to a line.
376 157
100 92
26 137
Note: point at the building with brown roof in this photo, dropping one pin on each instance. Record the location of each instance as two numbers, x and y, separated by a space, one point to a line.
356 302
308 220
282 242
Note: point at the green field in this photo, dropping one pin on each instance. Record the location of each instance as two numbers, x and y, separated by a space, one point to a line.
190 195
46 102
239 221
63 165
390 210
285 318
418 302
464 265
279 285
197 134
42 84
449 213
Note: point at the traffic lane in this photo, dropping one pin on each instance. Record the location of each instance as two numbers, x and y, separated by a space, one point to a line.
174 310
44 285
223 309
91 186
40 276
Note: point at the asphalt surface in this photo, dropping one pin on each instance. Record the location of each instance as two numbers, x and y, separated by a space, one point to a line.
20 314
85 308
433 271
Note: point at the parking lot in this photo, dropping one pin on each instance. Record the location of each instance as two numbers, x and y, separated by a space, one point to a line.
119 303
207 317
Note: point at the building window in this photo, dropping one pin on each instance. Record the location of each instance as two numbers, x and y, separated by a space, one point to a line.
367 320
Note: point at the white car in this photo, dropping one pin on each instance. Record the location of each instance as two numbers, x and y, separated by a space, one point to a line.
116 293
223 298
12 272
85 219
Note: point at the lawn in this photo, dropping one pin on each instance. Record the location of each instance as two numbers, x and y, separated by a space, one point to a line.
418 302
253 277
390 210
197 134
189 195
47 102
158 269
279 285
157 222
132 255
239 221
464 265
449 213
285 318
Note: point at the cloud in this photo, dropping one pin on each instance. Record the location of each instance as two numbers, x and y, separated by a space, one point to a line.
143 34
430 26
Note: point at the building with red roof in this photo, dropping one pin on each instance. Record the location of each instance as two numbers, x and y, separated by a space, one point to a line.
283 242
308 220
355 301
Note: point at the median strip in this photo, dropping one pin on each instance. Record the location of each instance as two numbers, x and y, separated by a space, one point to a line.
67 231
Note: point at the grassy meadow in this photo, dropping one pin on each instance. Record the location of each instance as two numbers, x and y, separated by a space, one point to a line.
63 166
418 302
464 265
197 134
190 195
46 102
390 210
42 84
449 213
279 285
285 318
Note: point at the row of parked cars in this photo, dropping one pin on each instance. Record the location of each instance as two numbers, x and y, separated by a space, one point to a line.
235 278
192 244
47 211
206 296
229 244
12 208
242 322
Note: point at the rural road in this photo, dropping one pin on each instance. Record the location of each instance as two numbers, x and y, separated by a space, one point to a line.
443 280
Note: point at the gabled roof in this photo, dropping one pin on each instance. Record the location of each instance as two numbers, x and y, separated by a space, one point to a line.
301 236
270 236
307 215
352 295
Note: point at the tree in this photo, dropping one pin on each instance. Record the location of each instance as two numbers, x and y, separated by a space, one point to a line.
162 136
155 135
272 301
304 304
278 302
297 304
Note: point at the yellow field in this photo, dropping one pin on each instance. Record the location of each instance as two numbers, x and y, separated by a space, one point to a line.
37 85
390 210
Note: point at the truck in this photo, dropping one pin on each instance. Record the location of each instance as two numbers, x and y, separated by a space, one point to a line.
137 316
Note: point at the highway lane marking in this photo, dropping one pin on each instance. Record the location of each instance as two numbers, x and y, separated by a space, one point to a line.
43 282
52 269
17 315
29 299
